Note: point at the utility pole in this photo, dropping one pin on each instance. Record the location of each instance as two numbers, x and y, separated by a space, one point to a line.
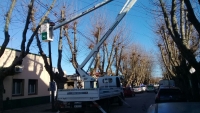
47 36
51 78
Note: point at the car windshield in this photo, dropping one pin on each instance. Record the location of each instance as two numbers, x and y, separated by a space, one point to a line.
149 86
136 86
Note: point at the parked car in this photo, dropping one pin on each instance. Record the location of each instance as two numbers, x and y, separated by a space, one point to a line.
137 89
156 89
143 87
128 92
175 107
150 88
169 94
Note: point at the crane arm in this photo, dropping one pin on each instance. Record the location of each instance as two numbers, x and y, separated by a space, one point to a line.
128 5
82 14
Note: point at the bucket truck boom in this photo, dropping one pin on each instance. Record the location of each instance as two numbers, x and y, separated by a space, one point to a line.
109 88
47 30
88 80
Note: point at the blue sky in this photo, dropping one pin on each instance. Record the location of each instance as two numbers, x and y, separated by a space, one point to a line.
138 19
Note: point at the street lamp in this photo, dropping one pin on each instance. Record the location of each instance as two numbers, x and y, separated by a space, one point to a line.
192 70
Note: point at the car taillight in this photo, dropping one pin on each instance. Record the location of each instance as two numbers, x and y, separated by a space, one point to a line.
62 105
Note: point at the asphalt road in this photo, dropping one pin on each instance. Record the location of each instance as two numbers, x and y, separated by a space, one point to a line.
138 104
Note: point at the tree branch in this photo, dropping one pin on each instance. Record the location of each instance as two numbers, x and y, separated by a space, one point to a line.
191 16
30 6
7 36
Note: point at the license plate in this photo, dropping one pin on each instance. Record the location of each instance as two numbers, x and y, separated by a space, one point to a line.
77 106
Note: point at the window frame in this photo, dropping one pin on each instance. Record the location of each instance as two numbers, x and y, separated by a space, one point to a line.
107 80
18 86
32 83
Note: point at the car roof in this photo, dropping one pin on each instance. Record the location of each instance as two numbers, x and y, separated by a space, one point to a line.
169 88
150 85
136 86
143 86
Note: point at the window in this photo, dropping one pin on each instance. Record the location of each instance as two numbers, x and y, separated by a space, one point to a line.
32 86
18 87
107 80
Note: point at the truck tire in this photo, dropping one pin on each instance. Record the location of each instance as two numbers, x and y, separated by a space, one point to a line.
120 102
107 105
120 99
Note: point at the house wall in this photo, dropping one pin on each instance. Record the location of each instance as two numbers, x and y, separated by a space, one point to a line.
33 69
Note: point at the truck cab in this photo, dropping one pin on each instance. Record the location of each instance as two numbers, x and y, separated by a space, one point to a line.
109 81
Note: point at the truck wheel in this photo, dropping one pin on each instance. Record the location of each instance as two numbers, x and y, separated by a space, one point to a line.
120 102
107 106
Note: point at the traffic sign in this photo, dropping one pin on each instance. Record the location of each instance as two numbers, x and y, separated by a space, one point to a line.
52 86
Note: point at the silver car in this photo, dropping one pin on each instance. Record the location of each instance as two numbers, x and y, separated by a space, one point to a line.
137 89
143 88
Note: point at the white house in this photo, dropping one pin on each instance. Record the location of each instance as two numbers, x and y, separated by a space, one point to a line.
30 86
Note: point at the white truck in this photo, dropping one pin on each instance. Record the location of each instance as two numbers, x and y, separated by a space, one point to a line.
95 92
108 91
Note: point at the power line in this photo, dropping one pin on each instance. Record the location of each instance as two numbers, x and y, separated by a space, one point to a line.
85 36
46 7
83 7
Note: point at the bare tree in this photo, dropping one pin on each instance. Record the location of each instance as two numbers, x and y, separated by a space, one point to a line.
72 43
6 28
178 48
60 85
4 72
98 28
192 16
136 66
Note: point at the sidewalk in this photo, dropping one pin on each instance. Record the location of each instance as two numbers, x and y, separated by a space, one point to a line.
43 108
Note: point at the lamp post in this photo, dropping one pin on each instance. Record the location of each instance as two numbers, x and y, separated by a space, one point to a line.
192 70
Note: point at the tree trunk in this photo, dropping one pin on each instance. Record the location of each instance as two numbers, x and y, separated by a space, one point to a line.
1 95
195 88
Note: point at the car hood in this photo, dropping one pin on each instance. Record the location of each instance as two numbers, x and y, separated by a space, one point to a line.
175 107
